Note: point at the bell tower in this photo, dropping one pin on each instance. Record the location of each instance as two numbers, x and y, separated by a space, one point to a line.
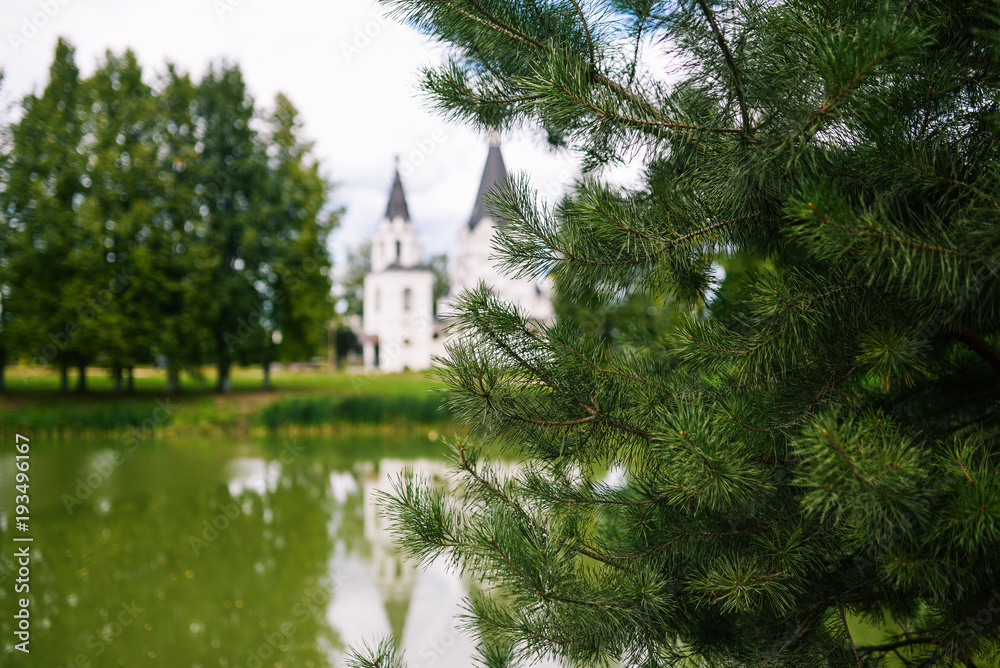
396 244
398 314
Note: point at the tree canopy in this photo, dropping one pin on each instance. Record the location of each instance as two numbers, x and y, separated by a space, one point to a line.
170 220
810 447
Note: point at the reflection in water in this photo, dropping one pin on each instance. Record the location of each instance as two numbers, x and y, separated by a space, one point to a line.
378 593
184 554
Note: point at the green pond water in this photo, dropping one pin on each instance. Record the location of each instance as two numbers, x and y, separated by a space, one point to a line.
219 552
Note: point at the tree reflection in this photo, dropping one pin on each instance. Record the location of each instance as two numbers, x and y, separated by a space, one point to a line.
235 555
163 561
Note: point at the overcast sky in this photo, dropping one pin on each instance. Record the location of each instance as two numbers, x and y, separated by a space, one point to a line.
350 71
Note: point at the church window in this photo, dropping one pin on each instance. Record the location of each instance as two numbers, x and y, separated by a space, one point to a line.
399 248
407 294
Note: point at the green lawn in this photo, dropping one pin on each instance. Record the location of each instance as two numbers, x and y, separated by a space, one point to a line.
309 398
26 380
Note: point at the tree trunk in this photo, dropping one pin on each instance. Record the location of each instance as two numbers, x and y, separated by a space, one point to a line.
81 383
116 374
267 364
63 377
130 386
222 385
173 379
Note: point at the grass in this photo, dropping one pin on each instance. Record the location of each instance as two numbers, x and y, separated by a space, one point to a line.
309 399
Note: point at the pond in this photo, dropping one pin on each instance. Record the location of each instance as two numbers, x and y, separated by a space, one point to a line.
233 553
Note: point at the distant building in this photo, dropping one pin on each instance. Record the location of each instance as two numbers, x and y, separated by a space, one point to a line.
398 322
400 330
473 263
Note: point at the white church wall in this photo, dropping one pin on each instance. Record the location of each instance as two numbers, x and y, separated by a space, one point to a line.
384 245
399 316
475 262
404 328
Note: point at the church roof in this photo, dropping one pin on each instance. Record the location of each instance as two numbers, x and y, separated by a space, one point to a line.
494 176
416 267
397 201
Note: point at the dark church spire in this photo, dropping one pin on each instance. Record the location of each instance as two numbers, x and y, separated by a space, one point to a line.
494 177
397 199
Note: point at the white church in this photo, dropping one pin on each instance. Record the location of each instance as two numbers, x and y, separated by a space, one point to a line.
399 327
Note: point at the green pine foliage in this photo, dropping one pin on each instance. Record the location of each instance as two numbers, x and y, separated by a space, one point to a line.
811 442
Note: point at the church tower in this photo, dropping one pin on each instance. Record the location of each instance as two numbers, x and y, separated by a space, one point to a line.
475 261
396 243
398 319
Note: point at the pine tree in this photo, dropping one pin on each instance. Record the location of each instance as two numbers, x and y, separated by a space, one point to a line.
813 450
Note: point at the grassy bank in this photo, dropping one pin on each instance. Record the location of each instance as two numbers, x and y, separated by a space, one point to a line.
309 400
356 410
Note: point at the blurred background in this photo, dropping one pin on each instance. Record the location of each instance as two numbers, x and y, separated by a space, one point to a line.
188 192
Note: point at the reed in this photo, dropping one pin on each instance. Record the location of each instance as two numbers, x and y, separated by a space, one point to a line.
372 409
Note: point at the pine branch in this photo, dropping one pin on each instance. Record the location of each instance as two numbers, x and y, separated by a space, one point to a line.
495 23
796 636
567 253
728 54
977 345
590 42
888 647
594 413
718 405
870 234
830 103
847 632
495 491
586 360
937 177
643 124
929 663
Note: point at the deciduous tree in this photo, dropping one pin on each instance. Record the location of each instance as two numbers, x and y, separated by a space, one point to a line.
47 247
